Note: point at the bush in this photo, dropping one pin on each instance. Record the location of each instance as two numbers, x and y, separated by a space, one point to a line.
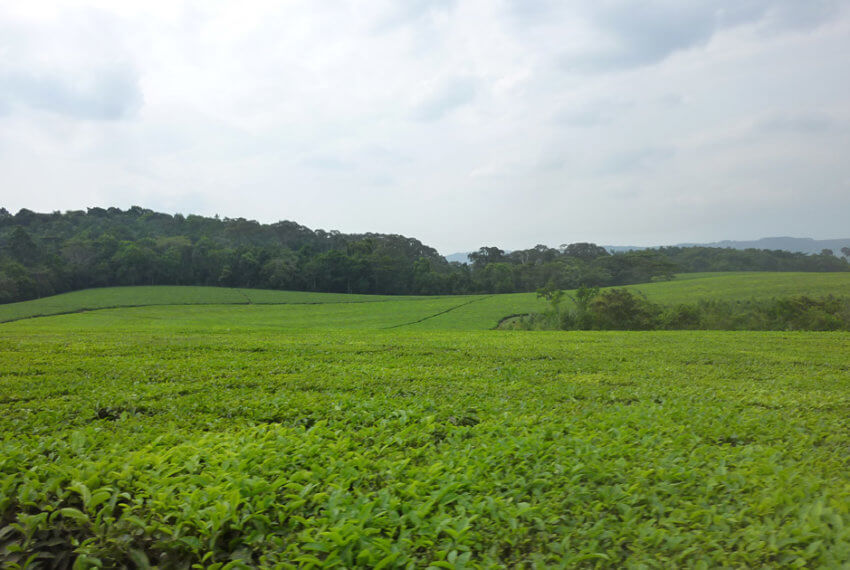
620 309
682 317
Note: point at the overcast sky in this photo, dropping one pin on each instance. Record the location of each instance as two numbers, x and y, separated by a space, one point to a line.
461 123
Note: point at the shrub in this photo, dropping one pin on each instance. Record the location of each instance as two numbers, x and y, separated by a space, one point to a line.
620 309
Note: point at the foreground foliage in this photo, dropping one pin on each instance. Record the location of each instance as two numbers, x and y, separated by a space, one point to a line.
245 446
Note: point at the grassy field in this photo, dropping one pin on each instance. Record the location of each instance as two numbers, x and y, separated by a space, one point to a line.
392 434
113 297
285 318
689 288
469 312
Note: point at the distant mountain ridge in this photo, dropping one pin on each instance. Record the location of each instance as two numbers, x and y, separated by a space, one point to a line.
460 257
784 243
792 244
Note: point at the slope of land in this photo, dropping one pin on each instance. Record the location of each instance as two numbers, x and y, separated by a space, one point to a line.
467 312
732 286
230 318
142 296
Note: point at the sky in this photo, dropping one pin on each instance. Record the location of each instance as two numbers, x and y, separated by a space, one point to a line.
462 123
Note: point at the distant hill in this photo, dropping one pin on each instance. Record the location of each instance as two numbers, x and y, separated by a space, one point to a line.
792 244
42 254
622 248
462 257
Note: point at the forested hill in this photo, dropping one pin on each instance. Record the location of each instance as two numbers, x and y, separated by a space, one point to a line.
44 254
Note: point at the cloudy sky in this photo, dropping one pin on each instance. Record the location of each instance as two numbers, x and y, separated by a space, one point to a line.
462 123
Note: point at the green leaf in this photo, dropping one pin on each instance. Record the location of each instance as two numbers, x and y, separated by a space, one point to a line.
387 560
140 559
72 513
84 562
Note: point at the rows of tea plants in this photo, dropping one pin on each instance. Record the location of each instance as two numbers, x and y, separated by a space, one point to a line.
141 296
744 286
465 314
685 288
391 314
173 441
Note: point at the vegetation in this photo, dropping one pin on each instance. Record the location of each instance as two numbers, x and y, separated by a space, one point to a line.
140 296
234 436
699 259
621 309
45 254
178 427
742 286
468 312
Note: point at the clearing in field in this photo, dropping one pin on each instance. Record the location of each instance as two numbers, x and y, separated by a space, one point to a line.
393 432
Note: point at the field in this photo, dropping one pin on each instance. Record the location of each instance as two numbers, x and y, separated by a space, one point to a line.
469 312
687 288
114 297
400 432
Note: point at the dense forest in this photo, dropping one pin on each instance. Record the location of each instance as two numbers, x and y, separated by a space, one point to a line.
46 253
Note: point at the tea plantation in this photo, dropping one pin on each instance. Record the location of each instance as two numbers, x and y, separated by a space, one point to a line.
384 433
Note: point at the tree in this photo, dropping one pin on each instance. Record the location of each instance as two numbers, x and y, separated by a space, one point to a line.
584 251
485 256
497 278
134 264
619 309
23 248
551 294
100 247
17 282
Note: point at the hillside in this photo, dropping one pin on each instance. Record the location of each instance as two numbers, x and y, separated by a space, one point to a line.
42 254
789 244
294 309
792 244
151 295
731 286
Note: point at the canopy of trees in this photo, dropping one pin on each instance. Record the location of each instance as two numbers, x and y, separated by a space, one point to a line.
44 254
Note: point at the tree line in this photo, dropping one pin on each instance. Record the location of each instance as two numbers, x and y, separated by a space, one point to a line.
621 309
43 254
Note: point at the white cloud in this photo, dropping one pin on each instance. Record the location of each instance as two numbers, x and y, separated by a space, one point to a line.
459 122
441 100
97 94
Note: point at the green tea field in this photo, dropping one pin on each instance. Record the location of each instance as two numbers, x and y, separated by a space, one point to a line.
221 428
469 312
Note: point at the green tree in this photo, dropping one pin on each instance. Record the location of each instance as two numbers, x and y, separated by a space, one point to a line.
551 294
620 309
23 248
584 251
485 256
